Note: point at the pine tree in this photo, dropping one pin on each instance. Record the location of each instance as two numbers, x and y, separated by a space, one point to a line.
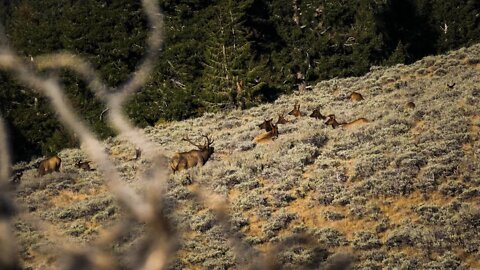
228 66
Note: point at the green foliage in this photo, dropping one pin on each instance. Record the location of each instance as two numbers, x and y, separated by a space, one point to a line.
217 54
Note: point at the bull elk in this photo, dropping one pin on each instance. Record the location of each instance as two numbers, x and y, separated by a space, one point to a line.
331 121
49 165
355 96
267 125
317 114
270 135
84 165
192 158
296 110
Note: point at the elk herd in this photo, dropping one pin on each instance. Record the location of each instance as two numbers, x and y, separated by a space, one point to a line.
203 152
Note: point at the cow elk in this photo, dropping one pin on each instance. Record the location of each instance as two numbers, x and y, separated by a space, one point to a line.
192 158
355 96
84 165
267 136
281 119
296 110
267 125
49 165
332 121
317 114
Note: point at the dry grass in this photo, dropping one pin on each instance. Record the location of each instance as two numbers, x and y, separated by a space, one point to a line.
398 192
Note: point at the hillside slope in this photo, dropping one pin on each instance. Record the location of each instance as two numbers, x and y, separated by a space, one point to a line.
399 192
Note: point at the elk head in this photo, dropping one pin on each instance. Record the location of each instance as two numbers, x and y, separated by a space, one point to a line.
296 110
267 125
281 119
317 114
331 121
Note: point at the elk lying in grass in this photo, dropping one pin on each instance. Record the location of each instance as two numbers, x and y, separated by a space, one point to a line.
267 125
331 121
317 114
192 158
49 165
410 105
355 96
84 165
267 136
296 111
281 119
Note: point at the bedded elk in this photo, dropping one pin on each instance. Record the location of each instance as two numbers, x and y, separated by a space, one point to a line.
267 125
192 158
355 96
296 110
84 165
332 121
281 119
49 165
270 135
317 114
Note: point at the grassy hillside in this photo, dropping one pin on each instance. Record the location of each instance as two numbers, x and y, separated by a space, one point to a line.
400 192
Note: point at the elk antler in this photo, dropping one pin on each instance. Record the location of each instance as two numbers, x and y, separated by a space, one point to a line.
188 140
209 141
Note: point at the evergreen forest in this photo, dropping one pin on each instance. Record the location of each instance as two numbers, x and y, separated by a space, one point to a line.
217 54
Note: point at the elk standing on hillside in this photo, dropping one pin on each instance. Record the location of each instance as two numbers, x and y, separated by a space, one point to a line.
296 110
317 114
49 165
331 121
192 158
267 125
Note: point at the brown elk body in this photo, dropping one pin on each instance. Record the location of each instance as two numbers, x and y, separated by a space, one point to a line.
410 105
84 166
331 121
317 114
355 96
49 165
359 121
192 158
267 136
296 110
267 125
